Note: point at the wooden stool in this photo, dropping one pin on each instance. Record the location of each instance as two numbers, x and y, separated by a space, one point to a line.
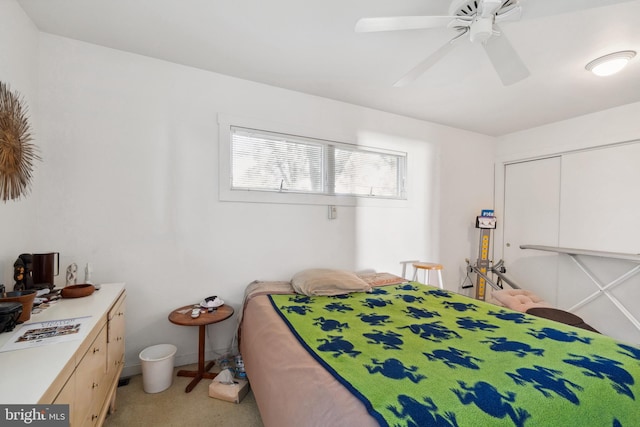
428 267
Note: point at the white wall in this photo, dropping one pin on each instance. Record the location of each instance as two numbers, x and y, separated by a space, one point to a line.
592 130
18 69
465 189
129 183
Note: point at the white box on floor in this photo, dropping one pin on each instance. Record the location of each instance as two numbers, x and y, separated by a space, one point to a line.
230 389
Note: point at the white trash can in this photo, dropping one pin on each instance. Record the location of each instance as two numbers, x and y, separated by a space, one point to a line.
157 367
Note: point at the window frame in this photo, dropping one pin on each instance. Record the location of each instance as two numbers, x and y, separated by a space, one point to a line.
227 193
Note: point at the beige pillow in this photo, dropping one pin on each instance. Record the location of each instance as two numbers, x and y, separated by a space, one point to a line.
324 281
381 279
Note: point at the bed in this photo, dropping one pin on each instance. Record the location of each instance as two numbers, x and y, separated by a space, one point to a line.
398 353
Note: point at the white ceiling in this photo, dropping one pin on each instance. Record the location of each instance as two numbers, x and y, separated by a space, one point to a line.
311 47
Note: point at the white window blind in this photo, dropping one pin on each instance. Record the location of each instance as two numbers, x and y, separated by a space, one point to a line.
274 162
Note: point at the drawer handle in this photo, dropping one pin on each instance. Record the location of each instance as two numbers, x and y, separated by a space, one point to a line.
95 350
94 417
95 385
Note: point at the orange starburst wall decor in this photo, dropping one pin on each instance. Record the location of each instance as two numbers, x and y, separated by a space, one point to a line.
17 153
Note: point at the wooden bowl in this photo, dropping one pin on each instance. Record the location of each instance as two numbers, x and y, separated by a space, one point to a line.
77 291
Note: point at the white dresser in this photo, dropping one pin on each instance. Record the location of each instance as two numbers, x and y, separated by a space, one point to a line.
83 372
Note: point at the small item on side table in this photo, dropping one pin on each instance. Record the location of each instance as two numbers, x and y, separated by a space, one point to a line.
211 302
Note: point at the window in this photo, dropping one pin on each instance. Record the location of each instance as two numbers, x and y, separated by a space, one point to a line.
281 163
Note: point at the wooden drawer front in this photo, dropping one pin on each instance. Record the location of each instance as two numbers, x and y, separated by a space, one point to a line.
116 325
67 396
117 311
90 376
93 415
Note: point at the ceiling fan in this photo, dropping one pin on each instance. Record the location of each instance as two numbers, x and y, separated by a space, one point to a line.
478 19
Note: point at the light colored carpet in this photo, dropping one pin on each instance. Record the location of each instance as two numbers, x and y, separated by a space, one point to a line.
174 407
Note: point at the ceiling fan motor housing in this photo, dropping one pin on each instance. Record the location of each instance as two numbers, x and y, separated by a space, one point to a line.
481 29
483 13
484 8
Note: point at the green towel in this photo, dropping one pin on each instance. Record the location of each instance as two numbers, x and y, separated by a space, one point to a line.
416 355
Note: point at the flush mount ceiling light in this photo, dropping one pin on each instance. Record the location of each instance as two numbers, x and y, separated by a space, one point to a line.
611 63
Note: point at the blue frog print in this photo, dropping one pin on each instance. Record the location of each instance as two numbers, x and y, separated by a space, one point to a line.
603 367
438 293
409 298
486 397
422 414
546 380
395 369
338 346
390 340
632 352
300 299
454 357
459 306
520 349
298 309
420 313
557 335
511 316
433 331
341 296
330 324
338 306
471 324
407 287
376 302
374 319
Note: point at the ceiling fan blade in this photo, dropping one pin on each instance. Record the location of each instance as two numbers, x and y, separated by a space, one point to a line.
420 69
397 23
505 59
541 8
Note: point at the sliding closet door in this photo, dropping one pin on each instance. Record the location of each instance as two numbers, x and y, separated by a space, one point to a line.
531 216
601 212
601 207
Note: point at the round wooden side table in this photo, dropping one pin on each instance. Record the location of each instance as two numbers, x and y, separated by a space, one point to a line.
182 316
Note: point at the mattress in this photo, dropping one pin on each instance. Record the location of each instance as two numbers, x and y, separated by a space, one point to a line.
290 388
294 386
